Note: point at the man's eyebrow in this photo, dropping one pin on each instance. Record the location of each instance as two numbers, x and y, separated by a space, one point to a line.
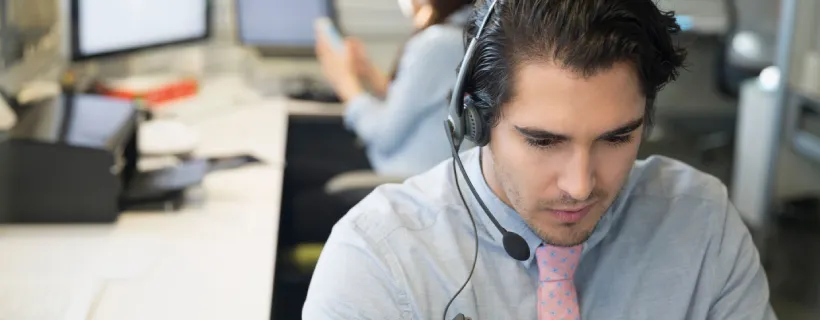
624 129
540 134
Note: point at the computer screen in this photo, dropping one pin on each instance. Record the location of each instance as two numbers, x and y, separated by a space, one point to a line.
104 27
280 23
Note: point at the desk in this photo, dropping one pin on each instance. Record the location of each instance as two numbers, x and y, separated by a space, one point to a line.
214 260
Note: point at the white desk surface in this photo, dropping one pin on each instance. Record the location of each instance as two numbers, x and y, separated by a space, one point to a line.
214 260
314 109
259 128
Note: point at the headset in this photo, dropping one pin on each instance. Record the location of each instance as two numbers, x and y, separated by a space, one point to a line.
466 121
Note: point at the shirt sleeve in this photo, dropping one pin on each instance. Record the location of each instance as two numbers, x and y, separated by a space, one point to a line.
745 290
351 281
425 76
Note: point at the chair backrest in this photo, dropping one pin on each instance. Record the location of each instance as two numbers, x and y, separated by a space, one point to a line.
750 42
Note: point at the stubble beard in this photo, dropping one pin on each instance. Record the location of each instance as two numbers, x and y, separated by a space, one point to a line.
575 236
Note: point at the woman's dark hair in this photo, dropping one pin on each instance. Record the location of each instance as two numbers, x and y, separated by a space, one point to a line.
586 36
442 9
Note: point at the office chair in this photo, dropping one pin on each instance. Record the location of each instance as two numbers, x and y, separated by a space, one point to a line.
355 185
750 43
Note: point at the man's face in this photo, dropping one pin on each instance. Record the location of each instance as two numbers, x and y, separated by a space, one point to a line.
564 147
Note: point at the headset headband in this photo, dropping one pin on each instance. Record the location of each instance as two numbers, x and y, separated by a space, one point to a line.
456 108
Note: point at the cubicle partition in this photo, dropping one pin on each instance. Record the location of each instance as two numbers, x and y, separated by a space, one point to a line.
803 94
778 136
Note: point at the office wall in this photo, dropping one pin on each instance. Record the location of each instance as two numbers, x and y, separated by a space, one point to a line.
373 19
379 23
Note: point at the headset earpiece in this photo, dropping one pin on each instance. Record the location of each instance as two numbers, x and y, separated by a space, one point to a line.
475 128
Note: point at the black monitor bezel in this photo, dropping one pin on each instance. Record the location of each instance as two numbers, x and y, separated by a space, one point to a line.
74 36
283 50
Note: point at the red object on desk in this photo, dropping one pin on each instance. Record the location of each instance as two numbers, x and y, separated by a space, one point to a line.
154 91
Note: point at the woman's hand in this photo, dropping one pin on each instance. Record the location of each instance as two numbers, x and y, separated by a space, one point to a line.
339 66
365 68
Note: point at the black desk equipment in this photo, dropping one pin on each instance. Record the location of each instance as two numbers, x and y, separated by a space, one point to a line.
67 160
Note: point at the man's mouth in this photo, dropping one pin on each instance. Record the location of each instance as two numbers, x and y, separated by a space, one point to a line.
571 214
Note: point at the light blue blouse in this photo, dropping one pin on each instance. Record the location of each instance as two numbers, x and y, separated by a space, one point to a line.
404 134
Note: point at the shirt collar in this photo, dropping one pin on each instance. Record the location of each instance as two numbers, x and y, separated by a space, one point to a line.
511 220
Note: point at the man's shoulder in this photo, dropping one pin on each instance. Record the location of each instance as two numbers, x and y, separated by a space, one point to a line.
664 177
669 192
667 203
414 204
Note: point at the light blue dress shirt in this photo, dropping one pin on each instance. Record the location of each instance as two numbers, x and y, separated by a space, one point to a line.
404 134
671 246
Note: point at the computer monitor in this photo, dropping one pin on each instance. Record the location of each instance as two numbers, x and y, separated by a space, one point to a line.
281 27
105 27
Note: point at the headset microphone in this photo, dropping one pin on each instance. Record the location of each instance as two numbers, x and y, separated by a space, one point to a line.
514 244
465 121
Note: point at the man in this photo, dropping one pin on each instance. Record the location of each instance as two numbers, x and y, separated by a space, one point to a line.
567 89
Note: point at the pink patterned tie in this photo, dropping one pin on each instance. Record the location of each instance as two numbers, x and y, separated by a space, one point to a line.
557 298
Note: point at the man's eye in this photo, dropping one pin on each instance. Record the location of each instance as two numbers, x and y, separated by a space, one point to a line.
541 143
618 140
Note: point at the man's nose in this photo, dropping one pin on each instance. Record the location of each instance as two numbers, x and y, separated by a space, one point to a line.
577 179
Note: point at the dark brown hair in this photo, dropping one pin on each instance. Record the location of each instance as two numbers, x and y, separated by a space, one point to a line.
587 36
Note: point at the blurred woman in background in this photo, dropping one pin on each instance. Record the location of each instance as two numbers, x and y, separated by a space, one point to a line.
400 116
401 120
